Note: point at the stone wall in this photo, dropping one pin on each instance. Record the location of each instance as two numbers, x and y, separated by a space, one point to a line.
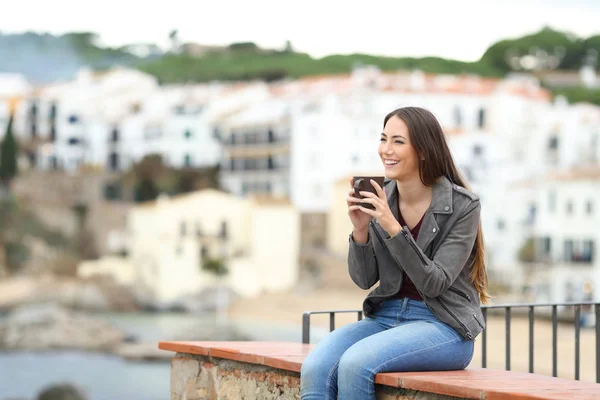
208 378
196 377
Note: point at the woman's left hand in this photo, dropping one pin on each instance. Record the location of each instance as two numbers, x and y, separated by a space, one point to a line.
382 211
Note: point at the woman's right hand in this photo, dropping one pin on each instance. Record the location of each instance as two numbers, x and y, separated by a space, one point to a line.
360 220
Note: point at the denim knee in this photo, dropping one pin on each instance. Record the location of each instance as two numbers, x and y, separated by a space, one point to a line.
352 367
314 370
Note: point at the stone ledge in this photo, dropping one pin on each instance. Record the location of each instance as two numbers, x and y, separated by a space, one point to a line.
271 370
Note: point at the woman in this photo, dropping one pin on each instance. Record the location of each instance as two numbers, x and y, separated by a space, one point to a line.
424 246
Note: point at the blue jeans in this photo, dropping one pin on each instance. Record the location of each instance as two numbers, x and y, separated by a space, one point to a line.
402 335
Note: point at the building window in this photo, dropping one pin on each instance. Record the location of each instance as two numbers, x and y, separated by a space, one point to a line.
552 201
270 163
216 133
34 109
114 135
271 135
501 225
187 160
203 252
73 119
477 150
188 134
182 228
73 141
52 113
457 117
224 234
588 251
113 161
531 214
553 143
546 246
481 118
53 162
569 207
568 249
355 159
589 207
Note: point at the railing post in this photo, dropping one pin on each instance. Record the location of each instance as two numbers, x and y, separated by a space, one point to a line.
507 319
306 327
597 323
577 335
331 321
531 322
554 340
484 340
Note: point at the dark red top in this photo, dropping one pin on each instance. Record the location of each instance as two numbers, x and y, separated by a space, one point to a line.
408 287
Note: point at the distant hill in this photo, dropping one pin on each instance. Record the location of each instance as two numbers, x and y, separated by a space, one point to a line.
45 58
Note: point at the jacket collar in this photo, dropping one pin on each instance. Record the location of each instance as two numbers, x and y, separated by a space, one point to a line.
441 203
441 199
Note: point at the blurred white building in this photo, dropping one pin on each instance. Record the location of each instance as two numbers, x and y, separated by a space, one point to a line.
297 139
560 259
115 118
171 239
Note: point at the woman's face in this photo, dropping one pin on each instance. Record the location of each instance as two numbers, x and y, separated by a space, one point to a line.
397 154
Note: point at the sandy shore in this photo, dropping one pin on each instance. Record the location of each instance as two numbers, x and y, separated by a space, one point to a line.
288 308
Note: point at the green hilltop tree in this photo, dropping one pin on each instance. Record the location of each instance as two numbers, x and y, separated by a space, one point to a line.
8 154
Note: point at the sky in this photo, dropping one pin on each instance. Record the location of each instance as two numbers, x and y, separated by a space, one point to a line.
459 29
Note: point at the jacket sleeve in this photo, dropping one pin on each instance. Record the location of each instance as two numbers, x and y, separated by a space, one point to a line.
433 277
362 264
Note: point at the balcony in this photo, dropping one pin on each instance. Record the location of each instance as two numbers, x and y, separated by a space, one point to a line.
258 150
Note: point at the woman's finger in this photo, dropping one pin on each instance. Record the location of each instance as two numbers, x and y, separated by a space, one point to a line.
368 211
367 194
374 201
378 189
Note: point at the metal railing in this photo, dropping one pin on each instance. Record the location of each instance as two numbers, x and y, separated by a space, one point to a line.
508 318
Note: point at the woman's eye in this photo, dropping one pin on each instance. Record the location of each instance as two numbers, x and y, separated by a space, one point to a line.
382 140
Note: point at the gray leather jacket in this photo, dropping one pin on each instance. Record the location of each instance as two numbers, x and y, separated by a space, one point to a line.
439 263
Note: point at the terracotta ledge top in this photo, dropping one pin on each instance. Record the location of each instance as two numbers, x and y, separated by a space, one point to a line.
473 383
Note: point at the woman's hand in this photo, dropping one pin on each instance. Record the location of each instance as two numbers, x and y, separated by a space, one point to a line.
382 211
360 220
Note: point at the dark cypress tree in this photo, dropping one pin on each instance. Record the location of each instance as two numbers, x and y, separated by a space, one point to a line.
8 154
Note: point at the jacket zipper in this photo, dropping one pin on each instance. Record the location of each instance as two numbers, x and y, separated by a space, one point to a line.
383 244
414 246
469 335
458 292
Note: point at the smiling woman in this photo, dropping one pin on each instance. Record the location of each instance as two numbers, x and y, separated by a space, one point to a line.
422 242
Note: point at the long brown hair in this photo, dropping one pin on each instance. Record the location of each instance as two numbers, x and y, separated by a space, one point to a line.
428 139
